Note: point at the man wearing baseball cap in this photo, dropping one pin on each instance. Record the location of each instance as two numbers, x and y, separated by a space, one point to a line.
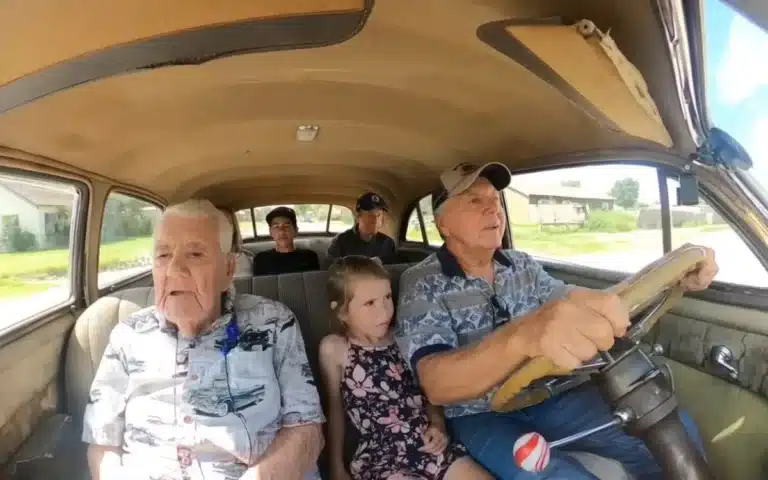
365 238
285 257
471 313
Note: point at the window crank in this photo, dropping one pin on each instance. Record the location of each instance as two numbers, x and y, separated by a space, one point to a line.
531 451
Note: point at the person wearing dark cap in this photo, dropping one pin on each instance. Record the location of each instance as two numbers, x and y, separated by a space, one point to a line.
365 238
285 257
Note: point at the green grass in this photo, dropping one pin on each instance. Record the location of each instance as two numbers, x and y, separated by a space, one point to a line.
31 272
13 288
564 242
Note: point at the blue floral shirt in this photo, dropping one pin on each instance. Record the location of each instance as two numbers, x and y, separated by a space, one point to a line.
441 308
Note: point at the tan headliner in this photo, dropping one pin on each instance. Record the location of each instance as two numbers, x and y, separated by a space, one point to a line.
414 92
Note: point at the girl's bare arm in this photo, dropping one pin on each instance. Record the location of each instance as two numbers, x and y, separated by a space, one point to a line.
332 352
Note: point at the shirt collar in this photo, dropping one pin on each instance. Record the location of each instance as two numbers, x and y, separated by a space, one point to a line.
450 265
357 234
227 309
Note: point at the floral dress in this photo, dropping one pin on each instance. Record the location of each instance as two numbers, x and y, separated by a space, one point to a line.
388 410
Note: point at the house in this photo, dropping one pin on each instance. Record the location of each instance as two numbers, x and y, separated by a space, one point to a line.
37 207
553 204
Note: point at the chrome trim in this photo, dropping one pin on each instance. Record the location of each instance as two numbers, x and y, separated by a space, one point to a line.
672 15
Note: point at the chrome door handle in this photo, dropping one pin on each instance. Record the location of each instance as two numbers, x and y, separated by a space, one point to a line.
721 357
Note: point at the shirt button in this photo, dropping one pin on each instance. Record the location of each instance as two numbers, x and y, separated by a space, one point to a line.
193 377
187 419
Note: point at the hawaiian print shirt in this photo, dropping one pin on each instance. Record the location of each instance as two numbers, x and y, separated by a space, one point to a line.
180 409
441 308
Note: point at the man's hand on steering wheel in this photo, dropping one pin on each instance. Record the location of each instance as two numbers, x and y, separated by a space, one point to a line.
571 330
702 277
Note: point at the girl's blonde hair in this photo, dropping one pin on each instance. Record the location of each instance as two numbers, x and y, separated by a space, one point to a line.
341 273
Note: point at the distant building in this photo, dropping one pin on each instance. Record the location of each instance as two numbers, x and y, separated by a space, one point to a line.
554 204
681 216
39 208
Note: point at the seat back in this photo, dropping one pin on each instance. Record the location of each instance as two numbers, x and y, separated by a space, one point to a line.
304 293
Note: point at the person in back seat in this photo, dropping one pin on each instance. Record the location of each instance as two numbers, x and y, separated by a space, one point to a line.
365 238
204 384
472 313
400 434
285 257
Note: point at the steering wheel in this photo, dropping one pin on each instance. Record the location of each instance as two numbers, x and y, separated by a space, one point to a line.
658 282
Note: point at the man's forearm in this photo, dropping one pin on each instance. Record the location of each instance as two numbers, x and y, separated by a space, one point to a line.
470 372
104 462
291 455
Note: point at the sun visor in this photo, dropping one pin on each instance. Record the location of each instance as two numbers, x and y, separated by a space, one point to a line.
588 61
38 34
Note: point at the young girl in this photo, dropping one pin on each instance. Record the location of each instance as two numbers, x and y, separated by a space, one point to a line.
401 436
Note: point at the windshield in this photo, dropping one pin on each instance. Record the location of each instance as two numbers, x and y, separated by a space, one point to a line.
737 81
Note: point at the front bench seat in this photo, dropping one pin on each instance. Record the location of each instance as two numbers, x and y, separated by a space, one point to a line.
304 293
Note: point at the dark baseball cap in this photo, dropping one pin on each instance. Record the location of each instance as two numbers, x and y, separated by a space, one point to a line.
462 176
371 201
284 212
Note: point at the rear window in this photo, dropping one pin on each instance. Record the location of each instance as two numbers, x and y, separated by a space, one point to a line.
311 218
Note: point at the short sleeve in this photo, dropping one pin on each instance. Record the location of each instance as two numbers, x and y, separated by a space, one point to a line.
300 402
104 420
546 286
424 325
334 250
314 261
258 264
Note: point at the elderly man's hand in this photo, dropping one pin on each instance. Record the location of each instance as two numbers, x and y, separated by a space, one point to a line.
705 272
572 330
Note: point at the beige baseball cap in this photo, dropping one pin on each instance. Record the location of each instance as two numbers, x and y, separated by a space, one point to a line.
462 176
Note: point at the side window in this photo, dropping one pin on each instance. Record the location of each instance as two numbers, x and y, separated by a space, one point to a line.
341 219
413 232
125 249
433 236
245 223
599 216
702 225
37 219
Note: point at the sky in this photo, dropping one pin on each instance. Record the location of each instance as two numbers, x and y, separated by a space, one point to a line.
737 80
737 95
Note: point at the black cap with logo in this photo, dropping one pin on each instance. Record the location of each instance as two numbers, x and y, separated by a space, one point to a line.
370 201
284 212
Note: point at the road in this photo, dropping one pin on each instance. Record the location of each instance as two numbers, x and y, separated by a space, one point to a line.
737 265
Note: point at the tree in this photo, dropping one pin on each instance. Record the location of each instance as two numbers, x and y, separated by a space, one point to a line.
626 192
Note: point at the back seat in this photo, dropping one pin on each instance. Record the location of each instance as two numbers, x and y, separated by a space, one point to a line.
304 293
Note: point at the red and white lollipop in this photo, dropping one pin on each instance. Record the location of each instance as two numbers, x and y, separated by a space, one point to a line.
531 452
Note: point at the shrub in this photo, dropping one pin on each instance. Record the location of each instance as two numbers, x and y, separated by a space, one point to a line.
16 239
610 222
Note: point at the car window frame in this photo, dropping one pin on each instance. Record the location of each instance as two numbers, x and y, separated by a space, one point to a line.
127 281
719 292
78 234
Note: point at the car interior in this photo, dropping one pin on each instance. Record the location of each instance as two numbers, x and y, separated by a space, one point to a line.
178 100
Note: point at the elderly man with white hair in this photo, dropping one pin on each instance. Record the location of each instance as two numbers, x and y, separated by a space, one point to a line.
206 384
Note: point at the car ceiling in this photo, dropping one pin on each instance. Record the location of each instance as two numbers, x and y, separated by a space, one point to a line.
414 88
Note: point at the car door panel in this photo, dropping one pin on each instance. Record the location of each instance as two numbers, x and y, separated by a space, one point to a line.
29 379
733 422
732 417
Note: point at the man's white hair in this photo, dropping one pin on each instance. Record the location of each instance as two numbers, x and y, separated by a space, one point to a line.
202 208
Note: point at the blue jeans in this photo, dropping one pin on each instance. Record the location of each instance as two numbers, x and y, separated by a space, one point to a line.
490 437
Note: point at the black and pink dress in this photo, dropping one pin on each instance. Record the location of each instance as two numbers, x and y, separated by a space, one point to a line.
389 411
